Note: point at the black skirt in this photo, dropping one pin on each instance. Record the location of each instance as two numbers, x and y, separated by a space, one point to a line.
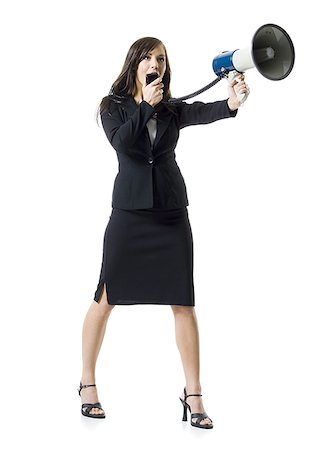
147 258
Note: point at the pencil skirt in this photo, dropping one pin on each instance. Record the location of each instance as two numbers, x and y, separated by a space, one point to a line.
147 258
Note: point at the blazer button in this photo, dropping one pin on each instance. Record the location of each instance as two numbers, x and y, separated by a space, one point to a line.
150 160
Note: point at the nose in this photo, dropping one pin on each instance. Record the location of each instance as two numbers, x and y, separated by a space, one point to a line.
154 63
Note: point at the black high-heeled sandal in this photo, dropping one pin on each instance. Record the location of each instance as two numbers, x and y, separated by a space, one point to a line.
87 407
198 416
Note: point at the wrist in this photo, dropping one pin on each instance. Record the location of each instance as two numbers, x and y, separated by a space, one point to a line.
233 104
147 106
149 102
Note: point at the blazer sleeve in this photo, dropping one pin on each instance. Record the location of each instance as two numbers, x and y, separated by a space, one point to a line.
198 113
123 133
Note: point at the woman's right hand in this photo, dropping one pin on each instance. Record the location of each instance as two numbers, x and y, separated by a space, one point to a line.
153 92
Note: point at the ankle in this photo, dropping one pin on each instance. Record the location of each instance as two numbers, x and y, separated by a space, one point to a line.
87 379
193 389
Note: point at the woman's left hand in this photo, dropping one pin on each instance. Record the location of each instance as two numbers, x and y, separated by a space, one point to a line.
237 86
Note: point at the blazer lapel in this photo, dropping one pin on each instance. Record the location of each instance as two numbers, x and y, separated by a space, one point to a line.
163 119
162 123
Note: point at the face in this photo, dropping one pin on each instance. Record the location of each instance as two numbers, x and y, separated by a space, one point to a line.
154 61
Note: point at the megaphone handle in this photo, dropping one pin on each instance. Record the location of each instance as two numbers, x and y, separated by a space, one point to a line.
231 76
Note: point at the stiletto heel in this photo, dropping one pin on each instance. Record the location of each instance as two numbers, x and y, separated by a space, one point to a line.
198 416
87 407
184 419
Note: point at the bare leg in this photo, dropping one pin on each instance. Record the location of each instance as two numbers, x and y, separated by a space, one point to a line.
187 339
94 328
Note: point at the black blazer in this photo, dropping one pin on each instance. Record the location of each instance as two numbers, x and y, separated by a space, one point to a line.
149 176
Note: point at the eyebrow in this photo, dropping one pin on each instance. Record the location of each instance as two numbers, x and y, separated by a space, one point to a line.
161 54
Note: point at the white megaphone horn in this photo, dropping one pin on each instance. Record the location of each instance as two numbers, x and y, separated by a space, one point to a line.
271 53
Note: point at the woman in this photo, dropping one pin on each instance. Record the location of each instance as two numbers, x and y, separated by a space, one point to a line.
148 246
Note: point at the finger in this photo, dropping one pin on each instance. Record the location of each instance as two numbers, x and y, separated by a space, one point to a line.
243 90
242 84
236 81
156 82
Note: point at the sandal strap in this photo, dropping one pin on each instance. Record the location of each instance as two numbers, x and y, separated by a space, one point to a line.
200 417
90 406
87 407
193 395
83 386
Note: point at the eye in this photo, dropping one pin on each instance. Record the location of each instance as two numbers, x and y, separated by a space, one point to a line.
147 57
162 59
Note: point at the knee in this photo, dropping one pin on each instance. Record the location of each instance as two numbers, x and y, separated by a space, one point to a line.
103 307
178 309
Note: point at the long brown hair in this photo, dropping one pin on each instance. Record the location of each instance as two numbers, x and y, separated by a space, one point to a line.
125 83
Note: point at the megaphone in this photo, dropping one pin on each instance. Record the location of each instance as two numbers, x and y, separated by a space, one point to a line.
271 53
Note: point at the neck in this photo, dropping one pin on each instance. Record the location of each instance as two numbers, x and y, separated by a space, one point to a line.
138 98
138 93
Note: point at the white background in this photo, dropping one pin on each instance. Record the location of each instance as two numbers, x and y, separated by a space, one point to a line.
261 240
